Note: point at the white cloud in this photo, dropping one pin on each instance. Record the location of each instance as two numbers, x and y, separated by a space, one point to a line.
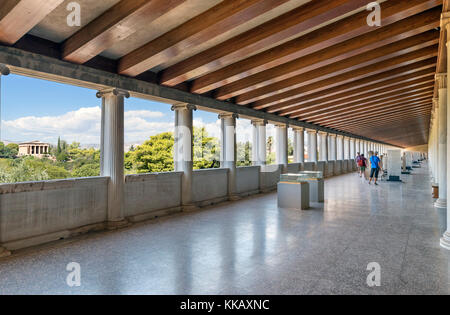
83 125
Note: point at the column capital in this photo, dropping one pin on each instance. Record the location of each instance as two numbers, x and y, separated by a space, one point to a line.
445 20
4 70
181 106
297 128
323 133
282 125
311 130
259 122
332 135
441 80
113 91
228 115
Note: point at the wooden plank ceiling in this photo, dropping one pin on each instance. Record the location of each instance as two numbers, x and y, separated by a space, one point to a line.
316 61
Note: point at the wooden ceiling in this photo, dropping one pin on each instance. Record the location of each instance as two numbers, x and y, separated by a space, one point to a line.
316 61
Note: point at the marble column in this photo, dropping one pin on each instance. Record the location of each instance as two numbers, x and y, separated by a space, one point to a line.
282 146
4 70
299 145
323 146
228 150
113 153
442 136
436 143
259 149
347 148
312 145
340 147
445 240
183 150
352 148
333 147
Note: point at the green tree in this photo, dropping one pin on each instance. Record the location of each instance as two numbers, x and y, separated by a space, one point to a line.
244 154
206 150
11 150
154 155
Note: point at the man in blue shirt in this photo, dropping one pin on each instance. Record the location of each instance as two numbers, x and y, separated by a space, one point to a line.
375 167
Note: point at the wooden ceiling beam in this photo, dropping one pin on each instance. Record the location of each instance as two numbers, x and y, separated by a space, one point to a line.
371 121
227 78
377 112
417 48
342 83
327 97
18 17
113 26
393 97
359 49
363 111
330 103
223 17
307 16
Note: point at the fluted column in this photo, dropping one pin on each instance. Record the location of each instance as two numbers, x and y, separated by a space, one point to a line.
442 135
259 149
346 148
340 147
183 150
352 148
333 147
445 240
299 145
435 144
323 146
312 146
4 70
228 152
113 152
282 145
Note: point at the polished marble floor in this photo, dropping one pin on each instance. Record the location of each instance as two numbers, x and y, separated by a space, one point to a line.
252 247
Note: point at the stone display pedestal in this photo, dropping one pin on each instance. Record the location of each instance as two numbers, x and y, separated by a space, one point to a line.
293 195
316 190
394 165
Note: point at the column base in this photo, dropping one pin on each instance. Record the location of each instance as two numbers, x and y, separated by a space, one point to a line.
4 252
189 208
114 225
441 203
234 197
445 240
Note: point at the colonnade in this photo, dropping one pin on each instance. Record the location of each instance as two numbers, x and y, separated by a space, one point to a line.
332 147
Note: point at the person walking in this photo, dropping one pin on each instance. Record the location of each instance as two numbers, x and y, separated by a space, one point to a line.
361 164
375 168
358 157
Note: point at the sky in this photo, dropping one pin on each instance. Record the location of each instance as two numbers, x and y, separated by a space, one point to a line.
35 109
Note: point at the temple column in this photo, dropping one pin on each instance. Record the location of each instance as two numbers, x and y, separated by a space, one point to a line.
323 146
299 145
113 153
282 146
4 70
346 148
352 149
442 138
259 149
228 151
333 147
442 79
183 150
312 145
340 147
